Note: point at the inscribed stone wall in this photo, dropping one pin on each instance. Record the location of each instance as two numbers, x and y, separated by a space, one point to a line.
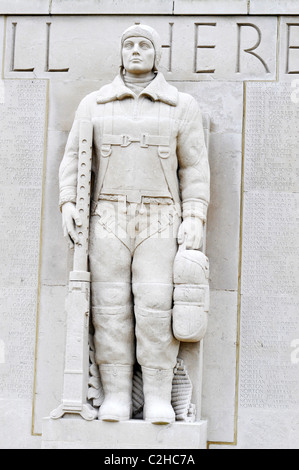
269 314
22 121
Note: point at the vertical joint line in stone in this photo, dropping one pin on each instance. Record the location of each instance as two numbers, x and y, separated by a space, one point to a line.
4 46
234 443
12 66
40 257
169 46
240 264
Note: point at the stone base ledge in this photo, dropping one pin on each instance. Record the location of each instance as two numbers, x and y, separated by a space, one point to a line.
76 433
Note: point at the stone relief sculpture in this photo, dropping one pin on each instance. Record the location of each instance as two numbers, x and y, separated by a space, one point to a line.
149 195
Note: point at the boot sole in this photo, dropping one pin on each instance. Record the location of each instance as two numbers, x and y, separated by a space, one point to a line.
160 421
114 419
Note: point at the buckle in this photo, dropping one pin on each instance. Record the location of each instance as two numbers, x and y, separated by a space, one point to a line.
144 140
125 140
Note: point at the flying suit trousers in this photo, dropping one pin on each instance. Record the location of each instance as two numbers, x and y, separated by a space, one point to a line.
132 250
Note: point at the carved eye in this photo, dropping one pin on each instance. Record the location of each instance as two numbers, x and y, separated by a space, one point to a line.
128 45
145 45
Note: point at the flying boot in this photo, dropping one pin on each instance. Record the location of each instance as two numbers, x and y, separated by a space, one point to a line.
157 385
117 385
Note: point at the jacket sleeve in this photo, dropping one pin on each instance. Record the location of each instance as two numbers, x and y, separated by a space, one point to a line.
68 170
193 172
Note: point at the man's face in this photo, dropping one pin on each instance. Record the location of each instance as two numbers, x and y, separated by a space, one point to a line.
138 55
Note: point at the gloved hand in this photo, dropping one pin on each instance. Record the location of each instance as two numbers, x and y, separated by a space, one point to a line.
191 233
70 220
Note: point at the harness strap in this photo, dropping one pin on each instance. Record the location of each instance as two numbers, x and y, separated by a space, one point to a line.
145 140
162 141
108 115
165 128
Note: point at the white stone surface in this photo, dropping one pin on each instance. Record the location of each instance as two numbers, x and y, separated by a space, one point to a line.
219 373
253 430
213 37
62 47
224 103
269 207
22 118
116 7
268 429
77 433
53 272
274 7
61 115
224 216
115 349
49 367
2 31
68 7
12 7
208 7
17 436
269 306
152 7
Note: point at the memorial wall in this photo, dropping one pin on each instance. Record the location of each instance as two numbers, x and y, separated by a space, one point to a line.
240 60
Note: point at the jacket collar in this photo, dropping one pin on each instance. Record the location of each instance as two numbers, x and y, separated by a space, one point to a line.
157 90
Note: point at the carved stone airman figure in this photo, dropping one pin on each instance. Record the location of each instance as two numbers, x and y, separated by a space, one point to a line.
150 192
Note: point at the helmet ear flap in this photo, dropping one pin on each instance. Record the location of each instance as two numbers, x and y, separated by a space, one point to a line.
158 54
